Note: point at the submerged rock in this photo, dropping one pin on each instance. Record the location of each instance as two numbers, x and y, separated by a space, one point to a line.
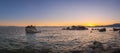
95 47
75 28
98 45
31 29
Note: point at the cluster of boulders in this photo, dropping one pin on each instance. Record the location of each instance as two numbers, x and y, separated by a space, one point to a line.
104 29
116 29
31 29
75 28
101 30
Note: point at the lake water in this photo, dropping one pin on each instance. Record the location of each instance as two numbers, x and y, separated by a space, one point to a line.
54 37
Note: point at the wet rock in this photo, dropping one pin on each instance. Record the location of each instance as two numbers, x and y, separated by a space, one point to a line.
75 28
94 29
102 30
95 47
98 45
91 31
116 29
31 29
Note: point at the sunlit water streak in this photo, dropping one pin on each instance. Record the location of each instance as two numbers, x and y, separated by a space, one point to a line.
53 37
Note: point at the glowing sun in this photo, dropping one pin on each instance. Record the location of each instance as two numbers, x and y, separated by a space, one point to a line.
91 25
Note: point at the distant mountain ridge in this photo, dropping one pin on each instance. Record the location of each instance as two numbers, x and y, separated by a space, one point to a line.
114 25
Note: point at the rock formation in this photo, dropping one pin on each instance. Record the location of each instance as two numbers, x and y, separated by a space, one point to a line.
31 29
102 30
116 29
75 28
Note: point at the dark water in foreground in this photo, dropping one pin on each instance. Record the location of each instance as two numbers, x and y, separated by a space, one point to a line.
53 39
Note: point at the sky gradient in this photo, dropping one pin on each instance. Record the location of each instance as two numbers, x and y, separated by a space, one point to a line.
59 12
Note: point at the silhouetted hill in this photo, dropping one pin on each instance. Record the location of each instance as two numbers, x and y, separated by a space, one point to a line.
114 25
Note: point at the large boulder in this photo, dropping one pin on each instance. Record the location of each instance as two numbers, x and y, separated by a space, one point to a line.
102 30
116 29
31 29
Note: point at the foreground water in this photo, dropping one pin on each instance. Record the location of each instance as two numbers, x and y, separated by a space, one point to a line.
54 38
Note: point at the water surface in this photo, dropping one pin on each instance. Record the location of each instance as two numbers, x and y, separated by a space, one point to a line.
53 37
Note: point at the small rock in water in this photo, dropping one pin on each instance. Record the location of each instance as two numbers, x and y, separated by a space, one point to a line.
91 31
98 44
